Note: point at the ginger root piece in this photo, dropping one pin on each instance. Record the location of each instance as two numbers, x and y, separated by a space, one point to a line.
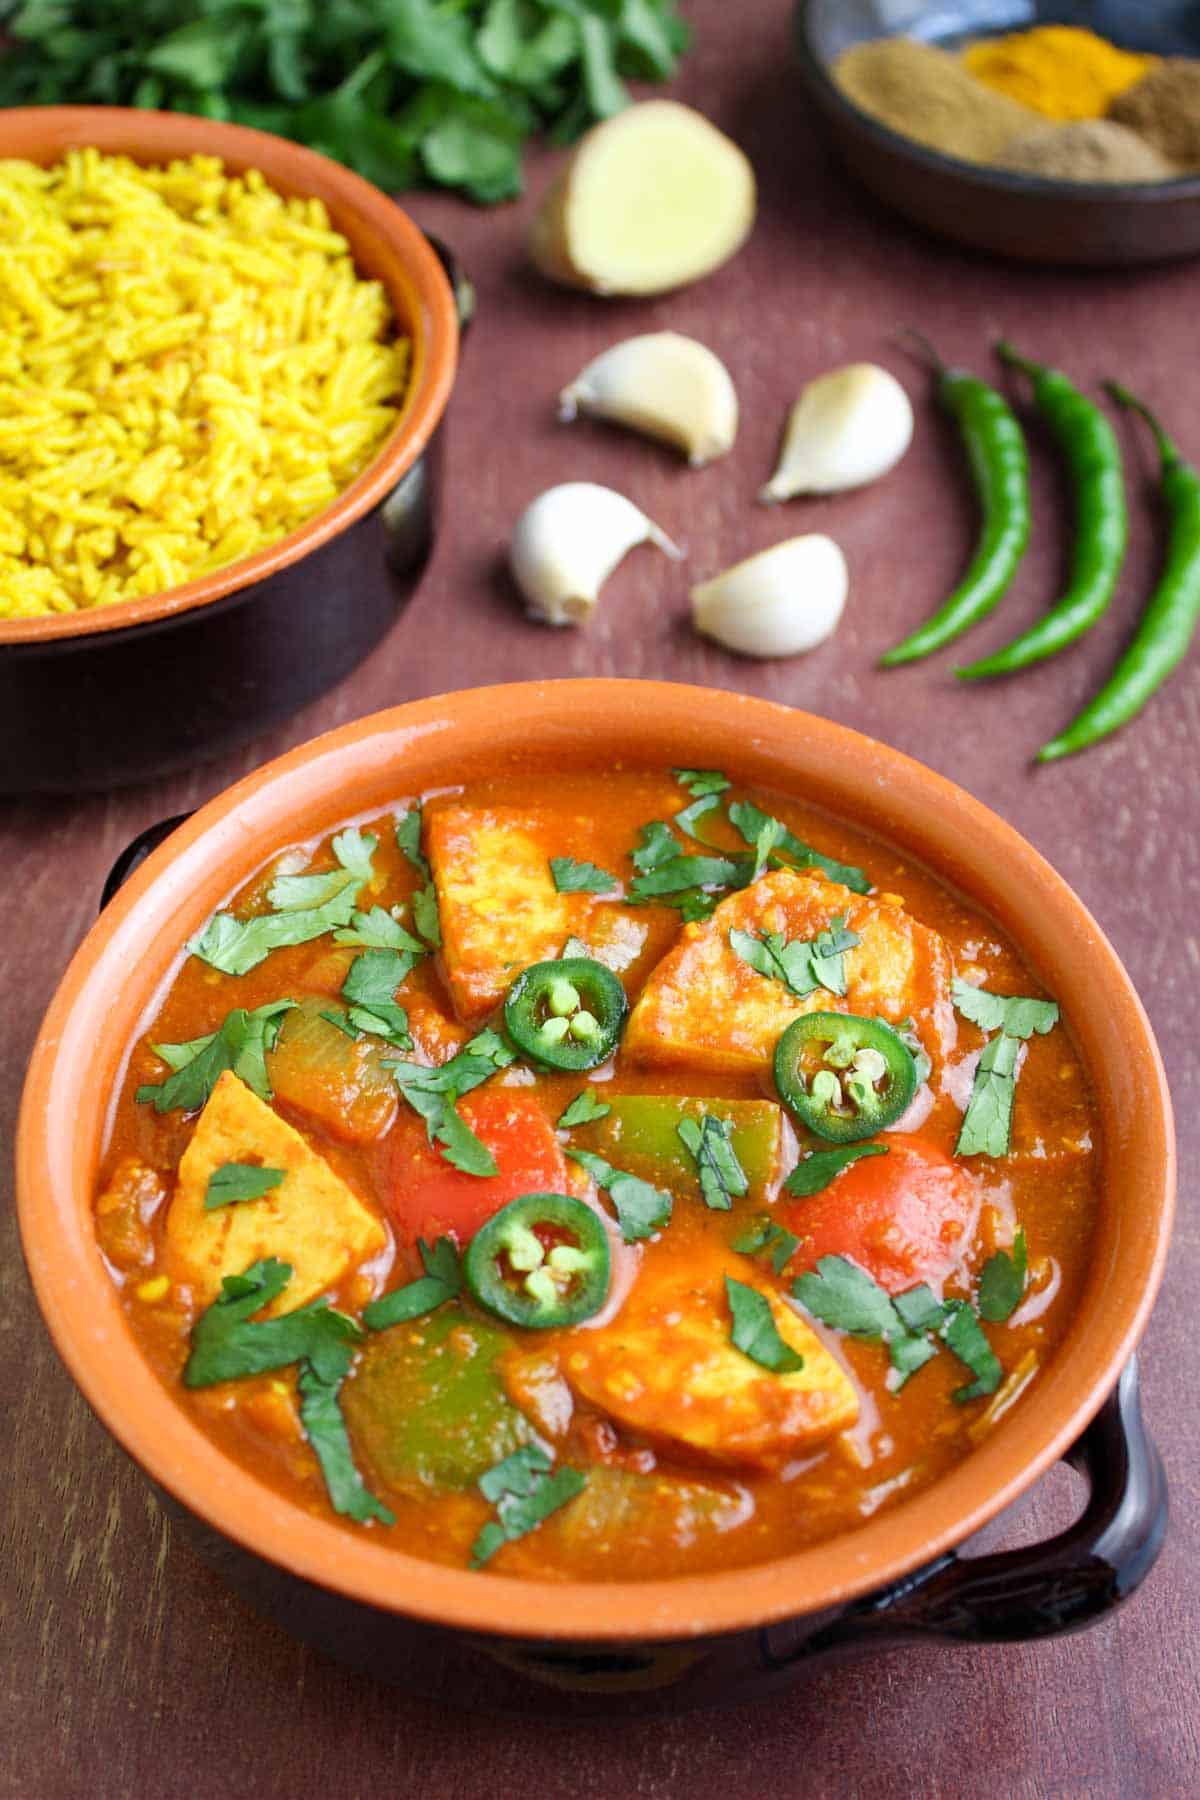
650 199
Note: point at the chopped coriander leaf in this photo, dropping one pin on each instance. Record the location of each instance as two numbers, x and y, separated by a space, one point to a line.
524 1493
749 820
689 819
814 1173
304 893
441 1281
228 1343
1002 1282
380 930
920 1308
764 843
656 846
1014 1014
235 946
802 966
370 987
682 872
964 1335
844 1296
755 1332
354 850
240 1043
986 1128
325 1429
584 1108
234 1182
408 840
433 1091
571 877
764 1236
641 1208
425 915
702 782
710 1141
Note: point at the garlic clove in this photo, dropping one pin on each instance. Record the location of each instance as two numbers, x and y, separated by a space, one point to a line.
847 428
779 603
567 543
665 385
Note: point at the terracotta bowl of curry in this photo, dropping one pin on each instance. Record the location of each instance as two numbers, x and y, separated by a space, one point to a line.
608 1186
129 691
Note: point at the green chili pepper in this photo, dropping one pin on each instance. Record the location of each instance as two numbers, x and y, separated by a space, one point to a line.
843 1076
541 1261
999 464
1089 445
1171 615
566 1014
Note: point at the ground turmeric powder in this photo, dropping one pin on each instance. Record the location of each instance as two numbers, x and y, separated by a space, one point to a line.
1060 71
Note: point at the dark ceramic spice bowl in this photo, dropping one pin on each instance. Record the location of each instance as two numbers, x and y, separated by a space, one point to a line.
724 1635
132 691
1097 224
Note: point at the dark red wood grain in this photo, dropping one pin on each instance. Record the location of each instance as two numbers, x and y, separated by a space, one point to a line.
126 1668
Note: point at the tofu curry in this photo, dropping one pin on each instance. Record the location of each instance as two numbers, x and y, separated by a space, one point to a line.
619 1177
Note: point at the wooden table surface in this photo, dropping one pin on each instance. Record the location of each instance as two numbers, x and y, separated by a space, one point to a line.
127 1668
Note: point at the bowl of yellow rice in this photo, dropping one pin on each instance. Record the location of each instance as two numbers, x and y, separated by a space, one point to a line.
223 359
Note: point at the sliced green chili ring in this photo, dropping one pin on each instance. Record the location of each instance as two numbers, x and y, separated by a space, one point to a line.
542 1261
844 1077
566 1014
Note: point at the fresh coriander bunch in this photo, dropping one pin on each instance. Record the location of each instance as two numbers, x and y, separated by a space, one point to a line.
409 92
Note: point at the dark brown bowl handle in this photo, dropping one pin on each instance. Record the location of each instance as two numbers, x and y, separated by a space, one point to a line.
135 853
461 284
1042 1590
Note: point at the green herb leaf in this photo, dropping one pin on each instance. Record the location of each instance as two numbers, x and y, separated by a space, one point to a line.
354 850
641 1208
380 930
241 1043
844 1296
408 840
814 1173
1002 1282
749 820
584 1108
802 966
755 1332
425 915
656 845
919 1308
689 819
710 1142
1014 1014
370 986
235 946
571 877
433 1091
986 1128
336 1016
964 1335
441 1281
682 872
234 1182
227 1343
524 1493
701 782
764 1236
325 1429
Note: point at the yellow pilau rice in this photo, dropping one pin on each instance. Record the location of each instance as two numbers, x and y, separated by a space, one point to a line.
190 367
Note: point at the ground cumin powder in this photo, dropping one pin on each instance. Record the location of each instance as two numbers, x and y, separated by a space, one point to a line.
1086 150
928 95
1164 109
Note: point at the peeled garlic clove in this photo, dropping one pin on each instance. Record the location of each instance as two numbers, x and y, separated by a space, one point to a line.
782 601
567 543
663 384
847 428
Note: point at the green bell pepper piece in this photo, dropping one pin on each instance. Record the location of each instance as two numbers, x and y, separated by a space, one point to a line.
641 1135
